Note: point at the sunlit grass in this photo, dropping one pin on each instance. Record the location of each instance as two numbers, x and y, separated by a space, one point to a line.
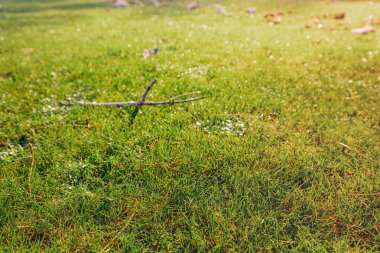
282 155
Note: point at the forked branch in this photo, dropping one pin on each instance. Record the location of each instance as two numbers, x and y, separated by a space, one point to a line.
141 102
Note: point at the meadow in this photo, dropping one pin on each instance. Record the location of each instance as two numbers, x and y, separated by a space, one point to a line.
282 155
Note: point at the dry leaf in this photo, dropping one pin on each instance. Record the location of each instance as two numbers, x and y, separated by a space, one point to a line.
277 20
363 30
251 10
120 4
193 6
373 21
340 15
220 9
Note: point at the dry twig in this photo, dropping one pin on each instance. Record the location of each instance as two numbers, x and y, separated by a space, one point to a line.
31 169
119 233
142 101
290 194
376 225
367 194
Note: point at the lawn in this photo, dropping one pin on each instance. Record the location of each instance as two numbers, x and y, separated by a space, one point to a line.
282 155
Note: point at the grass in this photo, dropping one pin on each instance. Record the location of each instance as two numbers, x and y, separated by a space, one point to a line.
283 155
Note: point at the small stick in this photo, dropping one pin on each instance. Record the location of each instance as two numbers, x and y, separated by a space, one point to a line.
119 233
372 213
182 95
133 103
153 164
142 101
4 144
31 169
146 91
290 194
233 114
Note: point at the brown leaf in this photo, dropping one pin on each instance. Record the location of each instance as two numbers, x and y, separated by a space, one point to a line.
340 15
363 30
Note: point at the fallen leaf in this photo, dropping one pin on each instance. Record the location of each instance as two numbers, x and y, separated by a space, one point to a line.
332 30
277 20
120 4
269 15
340 15
274 18
373 21
219 8
363 30
193 6
251 10
148 53
155 2
317 20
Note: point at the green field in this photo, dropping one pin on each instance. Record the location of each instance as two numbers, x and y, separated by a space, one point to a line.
282 155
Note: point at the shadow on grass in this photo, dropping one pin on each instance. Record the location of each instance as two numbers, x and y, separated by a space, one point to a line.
133 115
13 23
23 8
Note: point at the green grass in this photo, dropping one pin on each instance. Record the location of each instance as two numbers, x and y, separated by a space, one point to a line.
279 179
